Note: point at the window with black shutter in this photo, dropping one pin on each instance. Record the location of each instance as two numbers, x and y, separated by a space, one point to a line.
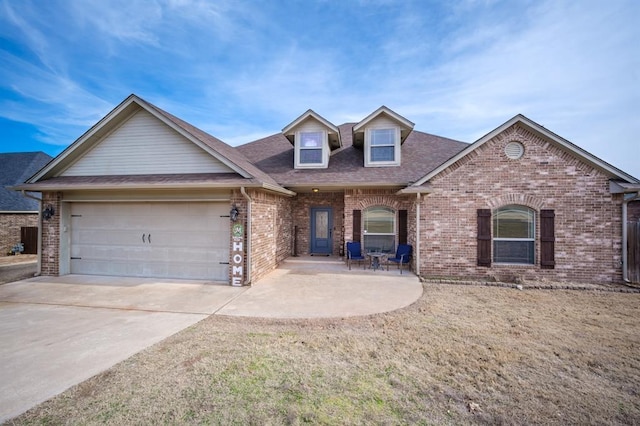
357 225
402 227
547 239
484 237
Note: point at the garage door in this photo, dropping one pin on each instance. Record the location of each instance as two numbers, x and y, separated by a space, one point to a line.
165 240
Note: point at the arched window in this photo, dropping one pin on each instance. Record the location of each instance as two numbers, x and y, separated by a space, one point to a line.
380 229
514 232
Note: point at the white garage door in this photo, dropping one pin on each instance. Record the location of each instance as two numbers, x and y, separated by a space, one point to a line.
166 240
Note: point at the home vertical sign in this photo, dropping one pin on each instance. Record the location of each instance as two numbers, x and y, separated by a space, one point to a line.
237 254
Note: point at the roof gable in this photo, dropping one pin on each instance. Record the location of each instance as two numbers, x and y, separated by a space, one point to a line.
333 133
521 120
405 125
215 148
144 145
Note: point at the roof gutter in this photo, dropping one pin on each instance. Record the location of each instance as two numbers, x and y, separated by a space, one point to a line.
627 198
278 189
415 190
39 200
247 279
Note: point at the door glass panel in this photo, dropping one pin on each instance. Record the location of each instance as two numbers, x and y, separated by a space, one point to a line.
322 224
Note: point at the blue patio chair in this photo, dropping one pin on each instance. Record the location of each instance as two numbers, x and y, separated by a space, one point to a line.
354 253
403 256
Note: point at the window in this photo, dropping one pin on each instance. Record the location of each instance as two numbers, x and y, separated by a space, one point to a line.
379 229
311 149
383 147
514 235
383 144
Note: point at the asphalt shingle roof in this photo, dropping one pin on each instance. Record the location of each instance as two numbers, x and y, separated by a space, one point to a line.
16 168
420 153
227 151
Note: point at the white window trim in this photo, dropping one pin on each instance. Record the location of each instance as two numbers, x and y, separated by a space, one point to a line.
367 148
324 146
532 239
393 234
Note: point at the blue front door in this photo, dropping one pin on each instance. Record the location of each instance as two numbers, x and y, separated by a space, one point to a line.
321 227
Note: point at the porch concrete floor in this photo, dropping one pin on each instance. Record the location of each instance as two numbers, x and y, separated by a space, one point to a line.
323 287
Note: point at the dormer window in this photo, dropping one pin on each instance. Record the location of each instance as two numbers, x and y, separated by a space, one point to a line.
381 135
310 149
382 146
313 139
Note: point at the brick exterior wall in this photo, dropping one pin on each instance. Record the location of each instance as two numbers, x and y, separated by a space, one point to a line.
302 205
10 224
51 235
587 217
271 230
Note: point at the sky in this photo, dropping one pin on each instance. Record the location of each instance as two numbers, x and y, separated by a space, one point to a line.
241 70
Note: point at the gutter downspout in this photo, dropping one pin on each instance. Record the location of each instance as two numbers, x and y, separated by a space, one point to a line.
626 199
39 200
247 280
418 234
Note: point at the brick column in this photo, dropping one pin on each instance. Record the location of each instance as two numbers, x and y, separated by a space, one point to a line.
51 235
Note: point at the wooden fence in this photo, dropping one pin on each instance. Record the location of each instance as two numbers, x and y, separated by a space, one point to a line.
29 238
633 253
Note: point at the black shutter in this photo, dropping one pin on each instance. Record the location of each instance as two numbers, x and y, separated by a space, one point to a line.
357 225
484 237
547 239
402 227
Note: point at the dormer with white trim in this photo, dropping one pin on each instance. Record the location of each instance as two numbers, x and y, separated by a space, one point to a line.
313 138
381 134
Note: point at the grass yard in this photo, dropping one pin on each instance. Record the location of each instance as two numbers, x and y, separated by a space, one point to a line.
460 355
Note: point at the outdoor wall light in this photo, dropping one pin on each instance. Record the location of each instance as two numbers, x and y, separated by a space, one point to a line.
48 212
233 214
315 189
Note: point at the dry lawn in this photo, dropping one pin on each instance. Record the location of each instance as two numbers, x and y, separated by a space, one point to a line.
460 355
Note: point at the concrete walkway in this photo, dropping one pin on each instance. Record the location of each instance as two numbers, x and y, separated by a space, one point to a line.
59 331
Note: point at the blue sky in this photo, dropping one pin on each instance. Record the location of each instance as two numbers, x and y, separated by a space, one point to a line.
241 70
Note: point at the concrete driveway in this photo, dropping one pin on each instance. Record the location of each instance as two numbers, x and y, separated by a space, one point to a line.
57 332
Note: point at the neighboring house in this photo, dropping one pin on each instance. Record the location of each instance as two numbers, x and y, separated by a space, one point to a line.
18 214
143 193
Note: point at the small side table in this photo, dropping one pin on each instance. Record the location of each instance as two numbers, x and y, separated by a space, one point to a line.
375 260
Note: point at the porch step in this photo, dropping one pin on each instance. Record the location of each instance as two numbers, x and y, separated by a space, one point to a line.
315 259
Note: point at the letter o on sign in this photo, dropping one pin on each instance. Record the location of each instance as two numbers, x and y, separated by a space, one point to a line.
237 258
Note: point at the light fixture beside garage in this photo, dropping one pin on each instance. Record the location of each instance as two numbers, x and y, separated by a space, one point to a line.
233 214
48 212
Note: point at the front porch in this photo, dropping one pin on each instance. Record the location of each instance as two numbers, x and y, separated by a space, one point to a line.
324 287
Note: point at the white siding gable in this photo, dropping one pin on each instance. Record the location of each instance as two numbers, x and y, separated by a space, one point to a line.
145 145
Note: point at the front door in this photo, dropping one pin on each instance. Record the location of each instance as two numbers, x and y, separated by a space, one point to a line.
321 225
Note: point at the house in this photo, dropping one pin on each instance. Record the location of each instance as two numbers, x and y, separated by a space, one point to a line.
18 212
143 193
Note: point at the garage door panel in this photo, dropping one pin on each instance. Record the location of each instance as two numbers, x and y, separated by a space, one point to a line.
187 240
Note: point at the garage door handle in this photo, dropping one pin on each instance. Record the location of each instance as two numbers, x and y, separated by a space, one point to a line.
143 238
149 238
